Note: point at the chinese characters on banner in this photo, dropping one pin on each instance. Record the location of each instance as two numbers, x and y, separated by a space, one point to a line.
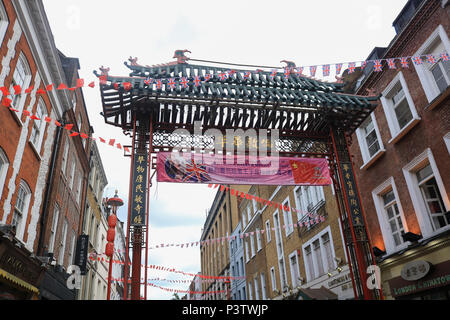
352 196
138 199
241 169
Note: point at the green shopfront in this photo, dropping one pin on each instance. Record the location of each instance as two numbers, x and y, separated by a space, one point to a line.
421 280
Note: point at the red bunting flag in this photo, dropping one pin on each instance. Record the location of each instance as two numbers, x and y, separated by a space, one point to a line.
17 89
57 123
111 142
33 117
80 83
40 91
127 85
74 134
62 86
5 91
118 146
91 84
29 89
68 126
102 140
6 102
26 112
49 87
84 135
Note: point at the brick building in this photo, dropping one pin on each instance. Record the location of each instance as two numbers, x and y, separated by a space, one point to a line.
401 156
215 261
95 224
283 260
29 58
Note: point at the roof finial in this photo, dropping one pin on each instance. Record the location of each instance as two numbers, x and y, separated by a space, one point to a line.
104 71
133 61
179 55
289 64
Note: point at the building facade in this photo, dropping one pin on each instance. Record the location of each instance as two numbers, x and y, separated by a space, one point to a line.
238 283
118 270
401 156
281 258
215 261
95 225
29 59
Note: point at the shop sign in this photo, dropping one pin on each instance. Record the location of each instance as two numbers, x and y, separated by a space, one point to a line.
415 270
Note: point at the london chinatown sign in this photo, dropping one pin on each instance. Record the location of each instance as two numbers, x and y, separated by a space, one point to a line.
139 183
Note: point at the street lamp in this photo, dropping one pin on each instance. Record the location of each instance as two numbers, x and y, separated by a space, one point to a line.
110 236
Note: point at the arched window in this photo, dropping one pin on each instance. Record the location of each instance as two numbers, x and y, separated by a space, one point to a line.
4 21
4 163
21 77
21 206
37 132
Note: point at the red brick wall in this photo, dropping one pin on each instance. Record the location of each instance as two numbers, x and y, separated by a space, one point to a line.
428 133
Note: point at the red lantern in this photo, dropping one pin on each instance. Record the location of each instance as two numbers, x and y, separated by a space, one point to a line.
110 235
109 249
112 220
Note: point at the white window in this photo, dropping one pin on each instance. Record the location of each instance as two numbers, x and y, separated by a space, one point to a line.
255 205
428 194
250 293
283 277
287 215
263 287
21 206
246 251
38 129
22 78
432 197
51 245
268 231
393 217
446 140
399 108
72 174
258 240
243 220
434 77
72 248
278 239
369 140
79 122
309 199
65 155
249 213
273 278
256 288
319 254
74 101
295 271
390 215
79 188
62 244
4 21
252 244
4 164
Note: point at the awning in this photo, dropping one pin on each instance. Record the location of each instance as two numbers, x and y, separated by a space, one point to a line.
321 293
6 275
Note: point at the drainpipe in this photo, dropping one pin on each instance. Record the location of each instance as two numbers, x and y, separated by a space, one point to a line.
44 215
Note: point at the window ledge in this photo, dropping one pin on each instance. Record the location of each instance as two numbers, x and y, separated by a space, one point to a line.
443 96
372 160
17 118
33 147
405 130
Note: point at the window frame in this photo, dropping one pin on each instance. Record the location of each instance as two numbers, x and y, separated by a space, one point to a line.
273 279
4 165
22 59
26 205
287 218
386 100
4 22
377 196
409 171
54 229
268 231
295 281
423 70
364 148
42 125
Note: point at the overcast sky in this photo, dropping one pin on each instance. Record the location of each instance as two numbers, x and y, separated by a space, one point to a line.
107 32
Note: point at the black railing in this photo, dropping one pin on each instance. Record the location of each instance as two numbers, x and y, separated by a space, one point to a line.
308 221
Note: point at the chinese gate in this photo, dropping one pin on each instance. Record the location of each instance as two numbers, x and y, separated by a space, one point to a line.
313 119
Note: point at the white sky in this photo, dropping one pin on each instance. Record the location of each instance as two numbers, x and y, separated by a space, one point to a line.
107 32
